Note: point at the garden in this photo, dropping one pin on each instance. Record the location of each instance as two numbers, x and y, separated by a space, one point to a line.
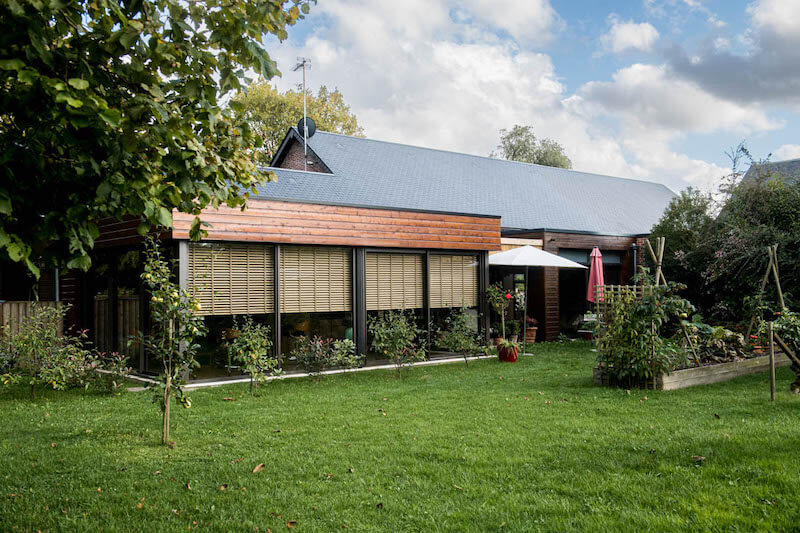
491 446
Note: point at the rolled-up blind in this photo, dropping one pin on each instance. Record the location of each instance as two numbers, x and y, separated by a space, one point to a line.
394 281
229 279
453 281
316 279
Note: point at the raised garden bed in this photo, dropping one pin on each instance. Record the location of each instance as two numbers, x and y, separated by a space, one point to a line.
703 375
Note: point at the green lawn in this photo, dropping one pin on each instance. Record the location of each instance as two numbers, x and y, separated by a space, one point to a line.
531 446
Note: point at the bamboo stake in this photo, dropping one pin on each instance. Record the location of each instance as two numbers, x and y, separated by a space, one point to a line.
764 281
691 344
789 353
771 362
777 277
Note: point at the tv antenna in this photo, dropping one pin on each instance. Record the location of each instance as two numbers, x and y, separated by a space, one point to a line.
304 62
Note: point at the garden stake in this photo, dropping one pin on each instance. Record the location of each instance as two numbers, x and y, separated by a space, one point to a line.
772 267
771 362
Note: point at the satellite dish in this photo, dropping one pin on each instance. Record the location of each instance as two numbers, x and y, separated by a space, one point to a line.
312 128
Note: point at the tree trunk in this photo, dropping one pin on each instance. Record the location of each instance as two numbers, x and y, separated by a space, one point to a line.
33 391
251 385
165 419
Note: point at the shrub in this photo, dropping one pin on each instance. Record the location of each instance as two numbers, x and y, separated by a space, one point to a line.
395 335
315 354
112 370
38 355
252 350
174 331
458 335
630 342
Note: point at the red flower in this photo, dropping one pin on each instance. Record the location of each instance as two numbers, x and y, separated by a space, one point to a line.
753 336
508 296
778 313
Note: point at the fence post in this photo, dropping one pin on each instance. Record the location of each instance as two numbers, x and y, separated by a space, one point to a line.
771 362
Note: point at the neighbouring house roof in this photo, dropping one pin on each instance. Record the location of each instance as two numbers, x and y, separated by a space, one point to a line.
527 197
788 170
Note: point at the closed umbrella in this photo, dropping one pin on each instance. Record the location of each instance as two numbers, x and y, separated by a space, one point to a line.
595 274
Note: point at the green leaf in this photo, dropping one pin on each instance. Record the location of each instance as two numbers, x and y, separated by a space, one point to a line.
5 204
112 117
66 97
78 83
11 64
27 76
82 262
103 190
164 217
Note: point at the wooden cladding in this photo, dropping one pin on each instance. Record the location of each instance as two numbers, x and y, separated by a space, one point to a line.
231 279
300 223
316 279
453 281
394 281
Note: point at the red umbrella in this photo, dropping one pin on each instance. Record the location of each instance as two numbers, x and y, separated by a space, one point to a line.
595 274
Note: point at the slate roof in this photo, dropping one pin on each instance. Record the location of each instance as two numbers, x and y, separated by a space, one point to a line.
373 173
788 169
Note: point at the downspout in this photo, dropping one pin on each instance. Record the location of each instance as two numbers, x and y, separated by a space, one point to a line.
56 286
635 250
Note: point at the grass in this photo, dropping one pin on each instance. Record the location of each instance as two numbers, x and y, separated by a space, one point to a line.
531 446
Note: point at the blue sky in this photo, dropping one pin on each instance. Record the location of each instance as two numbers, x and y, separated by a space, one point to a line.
649 89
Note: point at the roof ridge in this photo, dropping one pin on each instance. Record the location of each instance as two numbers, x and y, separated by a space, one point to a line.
509 161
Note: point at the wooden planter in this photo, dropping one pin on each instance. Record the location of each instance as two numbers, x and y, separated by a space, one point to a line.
688 377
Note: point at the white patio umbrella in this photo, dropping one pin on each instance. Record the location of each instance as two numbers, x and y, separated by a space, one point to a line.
528 256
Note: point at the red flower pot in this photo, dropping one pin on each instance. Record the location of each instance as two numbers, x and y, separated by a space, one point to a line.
507 355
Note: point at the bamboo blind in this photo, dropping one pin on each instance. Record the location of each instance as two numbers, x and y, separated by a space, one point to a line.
316 279
229 279
453 281
394 281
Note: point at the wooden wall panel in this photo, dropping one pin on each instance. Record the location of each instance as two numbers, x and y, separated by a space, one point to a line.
300 223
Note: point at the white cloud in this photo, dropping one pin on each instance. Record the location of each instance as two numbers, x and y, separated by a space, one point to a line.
786 151
647 97
778 17
450 81
531 21
626 36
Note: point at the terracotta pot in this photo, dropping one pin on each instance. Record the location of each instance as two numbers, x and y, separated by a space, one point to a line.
507 355
530 334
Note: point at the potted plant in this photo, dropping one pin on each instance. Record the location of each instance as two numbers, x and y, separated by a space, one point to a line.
507 351
531 329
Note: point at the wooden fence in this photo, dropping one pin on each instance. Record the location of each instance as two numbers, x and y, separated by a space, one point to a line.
13 313
128 317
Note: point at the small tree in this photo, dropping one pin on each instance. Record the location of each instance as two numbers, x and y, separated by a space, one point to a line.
174 330
499 299
458 336
252 349
395 335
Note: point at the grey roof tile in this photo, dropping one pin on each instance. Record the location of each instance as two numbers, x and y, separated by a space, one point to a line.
526 196
788 170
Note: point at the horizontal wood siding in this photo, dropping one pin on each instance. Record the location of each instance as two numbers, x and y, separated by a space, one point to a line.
299 223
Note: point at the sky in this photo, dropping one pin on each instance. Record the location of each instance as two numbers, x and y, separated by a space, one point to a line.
656 90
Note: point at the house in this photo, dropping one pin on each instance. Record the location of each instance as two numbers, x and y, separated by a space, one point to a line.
788 169
562 211
353 227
